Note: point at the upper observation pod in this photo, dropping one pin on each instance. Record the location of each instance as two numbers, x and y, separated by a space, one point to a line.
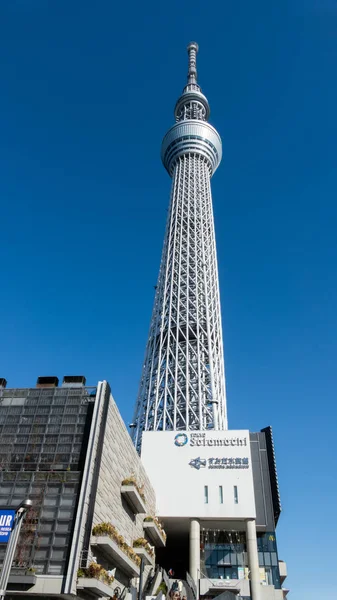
192 134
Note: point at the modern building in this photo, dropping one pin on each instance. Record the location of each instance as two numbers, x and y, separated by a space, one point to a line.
216 489
93 517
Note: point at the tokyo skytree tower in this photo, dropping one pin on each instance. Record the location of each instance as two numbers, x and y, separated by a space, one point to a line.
183 380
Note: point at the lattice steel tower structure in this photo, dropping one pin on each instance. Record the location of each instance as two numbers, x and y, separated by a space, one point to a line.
183 380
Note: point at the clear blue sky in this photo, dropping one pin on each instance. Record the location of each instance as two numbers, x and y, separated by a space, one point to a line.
88 91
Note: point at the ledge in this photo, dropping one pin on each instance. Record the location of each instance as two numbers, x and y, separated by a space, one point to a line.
19 582
133 498
153 532
143 553
114 553
214 587
283 570
95 586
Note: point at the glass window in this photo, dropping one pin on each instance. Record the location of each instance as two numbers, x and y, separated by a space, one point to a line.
274 561
261 561
231 573
62 527
61 540
214 573
42 553
276 577
51 501
206 494
220 494
240 558
56 568
67 500
236 495
267 560
45 540
65 514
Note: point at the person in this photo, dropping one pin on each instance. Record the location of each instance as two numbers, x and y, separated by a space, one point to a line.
171 573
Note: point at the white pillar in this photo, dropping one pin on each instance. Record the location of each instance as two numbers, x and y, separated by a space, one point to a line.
195 550
253 560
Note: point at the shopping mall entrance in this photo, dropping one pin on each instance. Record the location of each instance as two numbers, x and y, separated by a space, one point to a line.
176 554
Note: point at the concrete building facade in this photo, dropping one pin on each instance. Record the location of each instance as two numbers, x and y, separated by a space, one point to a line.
221 510
93 514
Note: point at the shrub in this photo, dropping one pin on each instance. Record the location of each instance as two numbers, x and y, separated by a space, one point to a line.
143 543
111 531
96 571
80 573
132 481
160 526
162 588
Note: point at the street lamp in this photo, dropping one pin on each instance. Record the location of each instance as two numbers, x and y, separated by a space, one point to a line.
20 511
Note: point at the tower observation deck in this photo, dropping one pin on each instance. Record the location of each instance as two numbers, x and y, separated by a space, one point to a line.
182 385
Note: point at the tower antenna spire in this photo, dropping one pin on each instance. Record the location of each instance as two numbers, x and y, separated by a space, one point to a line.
182 387
192 50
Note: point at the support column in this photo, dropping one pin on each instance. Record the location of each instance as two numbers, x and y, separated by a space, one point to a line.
253 560
195 550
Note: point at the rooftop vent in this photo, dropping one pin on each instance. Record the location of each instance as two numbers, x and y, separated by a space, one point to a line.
47 382
3 382
73 381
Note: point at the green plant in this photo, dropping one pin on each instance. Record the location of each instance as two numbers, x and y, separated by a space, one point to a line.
81 573
132 481
162 588
96 571
160 526
105 529
143 543
31 570
111 531
129 481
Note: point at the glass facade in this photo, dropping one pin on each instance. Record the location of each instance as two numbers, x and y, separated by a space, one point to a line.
224 556
268 559
43 438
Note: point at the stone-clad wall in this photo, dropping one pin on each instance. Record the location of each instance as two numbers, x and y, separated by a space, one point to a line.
119 461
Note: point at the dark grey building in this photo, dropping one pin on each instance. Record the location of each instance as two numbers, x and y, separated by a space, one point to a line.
93 515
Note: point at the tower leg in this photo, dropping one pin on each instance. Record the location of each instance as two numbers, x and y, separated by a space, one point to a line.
253 560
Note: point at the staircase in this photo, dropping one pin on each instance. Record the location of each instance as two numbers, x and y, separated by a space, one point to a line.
186 590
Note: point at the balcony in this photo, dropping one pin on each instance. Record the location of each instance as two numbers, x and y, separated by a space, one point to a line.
145 555
153 532
133 498
21 579
283 570
115 554
95 586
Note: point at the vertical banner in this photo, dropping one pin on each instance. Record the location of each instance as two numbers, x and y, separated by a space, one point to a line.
6 524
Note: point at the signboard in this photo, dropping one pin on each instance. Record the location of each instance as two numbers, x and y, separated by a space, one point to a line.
209 473
6 524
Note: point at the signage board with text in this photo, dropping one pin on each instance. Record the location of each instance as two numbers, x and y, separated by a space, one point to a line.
207 474
6 524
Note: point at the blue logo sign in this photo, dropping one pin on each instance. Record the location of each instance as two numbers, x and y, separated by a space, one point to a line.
198 463
6 524
219 463
181 439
